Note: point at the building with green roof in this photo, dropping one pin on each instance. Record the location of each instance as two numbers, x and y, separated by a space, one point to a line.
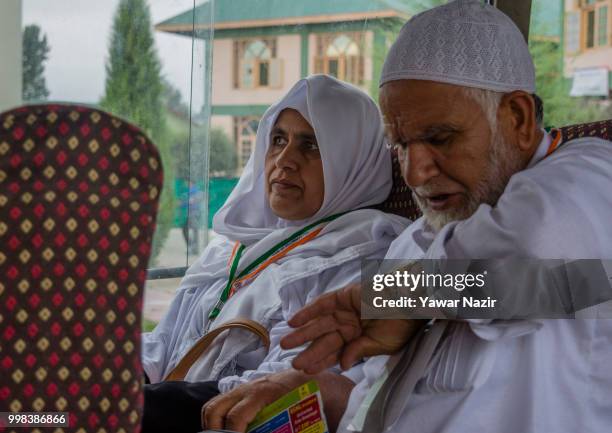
262 47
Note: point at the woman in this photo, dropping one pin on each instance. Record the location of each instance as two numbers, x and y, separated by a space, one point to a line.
294 227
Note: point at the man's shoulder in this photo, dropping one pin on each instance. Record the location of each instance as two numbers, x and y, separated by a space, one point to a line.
579 154
584 145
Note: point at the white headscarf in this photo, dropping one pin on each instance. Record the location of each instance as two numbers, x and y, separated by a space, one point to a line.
356 164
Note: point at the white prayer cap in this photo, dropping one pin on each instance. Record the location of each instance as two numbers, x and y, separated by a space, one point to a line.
466 43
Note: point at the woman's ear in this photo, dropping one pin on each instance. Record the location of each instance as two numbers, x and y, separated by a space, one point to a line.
517 114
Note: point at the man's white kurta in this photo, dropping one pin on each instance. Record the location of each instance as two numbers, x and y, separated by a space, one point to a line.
518 376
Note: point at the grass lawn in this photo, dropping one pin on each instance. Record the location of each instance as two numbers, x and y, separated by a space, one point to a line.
148 325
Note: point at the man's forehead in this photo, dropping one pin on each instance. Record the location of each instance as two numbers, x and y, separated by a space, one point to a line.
411 106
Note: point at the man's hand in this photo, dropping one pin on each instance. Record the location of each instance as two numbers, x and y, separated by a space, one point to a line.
338 334
236 409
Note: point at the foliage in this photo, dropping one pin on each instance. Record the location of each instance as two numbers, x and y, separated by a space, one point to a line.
222 160
223 157
173 100
560 109
134 90
35 53
148 325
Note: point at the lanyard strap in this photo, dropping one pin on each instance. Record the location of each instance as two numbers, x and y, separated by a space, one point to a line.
274 253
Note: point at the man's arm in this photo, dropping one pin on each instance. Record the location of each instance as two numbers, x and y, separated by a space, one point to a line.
338 334
235 409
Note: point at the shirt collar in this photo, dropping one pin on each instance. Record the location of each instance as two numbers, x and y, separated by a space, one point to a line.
542 149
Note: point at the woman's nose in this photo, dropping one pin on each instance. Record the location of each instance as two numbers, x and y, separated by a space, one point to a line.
289 157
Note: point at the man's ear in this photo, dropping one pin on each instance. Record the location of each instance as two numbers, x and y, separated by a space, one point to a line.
517 115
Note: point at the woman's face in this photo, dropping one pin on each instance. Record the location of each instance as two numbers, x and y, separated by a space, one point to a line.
294 172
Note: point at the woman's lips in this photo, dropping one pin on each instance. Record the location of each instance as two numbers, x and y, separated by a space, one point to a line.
283 185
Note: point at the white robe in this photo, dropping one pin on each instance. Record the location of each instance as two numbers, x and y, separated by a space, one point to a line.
517 376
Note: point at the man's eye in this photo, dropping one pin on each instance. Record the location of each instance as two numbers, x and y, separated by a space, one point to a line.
400 146
439 140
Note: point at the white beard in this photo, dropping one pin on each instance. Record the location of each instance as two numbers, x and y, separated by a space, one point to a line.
504 161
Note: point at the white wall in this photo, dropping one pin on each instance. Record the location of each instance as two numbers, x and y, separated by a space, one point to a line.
10 53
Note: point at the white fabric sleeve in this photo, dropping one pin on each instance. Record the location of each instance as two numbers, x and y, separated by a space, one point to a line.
293 298
153 356
355 374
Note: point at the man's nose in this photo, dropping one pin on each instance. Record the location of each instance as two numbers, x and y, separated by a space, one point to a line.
418 165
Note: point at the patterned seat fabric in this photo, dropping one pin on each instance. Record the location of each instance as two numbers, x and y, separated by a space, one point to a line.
400 201
78 196
602 129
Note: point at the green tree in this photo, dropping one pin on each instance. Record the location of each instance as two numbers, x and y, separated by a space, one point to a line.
134 90
560 109
35 53
223 157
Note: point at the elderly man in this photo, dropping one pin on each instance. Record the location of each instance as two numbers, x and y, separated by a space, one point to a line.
457 93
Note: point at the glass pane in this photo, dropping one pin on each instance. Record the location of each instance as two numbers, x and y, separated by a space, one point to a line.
572 36
590 36
332 67
118 55
264 73
247 74
109 54
602 26
257 50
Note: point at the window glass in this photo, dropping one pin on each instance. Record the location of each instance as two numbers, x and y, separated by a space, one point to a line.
602 26
590 29
205 113
111 55
341 55
252 59
572 35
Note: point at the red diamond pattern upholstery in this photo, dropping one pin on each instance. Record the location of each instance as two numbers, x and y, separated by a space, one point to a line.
79 190
400 201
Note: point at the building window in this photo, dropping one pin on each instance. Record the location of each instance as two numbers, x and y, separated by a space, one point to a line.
572 32
341 55
594 23
255 64
246 134
602 26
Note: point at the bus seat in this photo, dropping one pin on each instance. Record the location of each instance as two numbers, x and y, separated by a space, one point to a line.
79 190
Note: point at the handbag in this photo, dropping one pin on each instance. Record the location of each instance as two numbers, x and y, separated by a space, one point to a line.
180 370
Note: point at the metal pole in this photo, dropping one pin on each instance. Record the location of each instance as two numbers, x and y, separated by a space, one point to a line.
518 11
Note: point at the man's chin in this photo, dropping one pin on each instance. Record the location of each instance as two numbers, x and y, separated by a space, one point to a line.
438 219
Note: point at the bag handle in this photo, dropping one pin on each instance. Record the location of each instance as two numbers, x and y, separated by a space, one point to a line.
180 370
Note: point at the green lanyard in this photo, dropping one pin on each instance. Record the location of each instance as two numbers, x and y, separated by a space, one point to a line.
225 295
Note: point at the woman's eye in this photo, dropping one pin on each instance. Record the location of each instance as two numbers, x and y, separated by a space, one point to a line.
278 141
311 146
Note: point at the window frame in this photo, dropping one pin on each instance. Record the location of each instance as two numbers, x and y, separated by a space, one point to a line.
239 49
322 60
594 8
